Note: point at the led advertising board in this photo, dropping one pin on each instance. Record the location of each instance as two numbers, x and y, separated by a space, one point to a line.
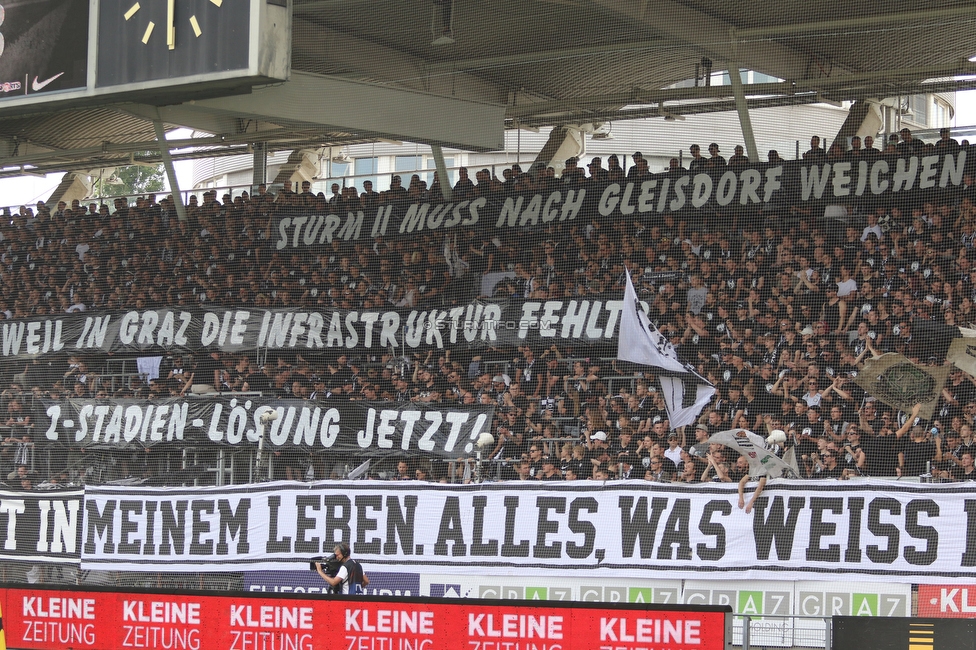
43 46
77 53
857 633
947 601
96 619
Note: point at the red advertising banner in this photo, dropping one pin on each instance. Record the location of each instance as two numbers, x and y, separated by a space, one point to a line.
88 619
946 601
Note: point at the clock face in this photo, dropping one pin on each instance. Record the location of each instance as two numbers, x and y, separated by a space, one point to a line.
148 40
41 50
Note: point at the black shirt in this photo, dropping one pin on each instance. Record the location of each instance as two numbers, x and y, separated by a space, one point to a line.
203 372
882 456
917 455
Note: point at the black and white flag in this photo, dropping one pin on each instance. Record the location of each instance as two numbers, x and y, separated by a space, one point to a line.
685 392
962 354
762 460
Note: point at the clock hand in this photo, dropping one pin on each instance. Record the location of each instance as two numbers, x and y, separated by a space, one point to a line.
171 24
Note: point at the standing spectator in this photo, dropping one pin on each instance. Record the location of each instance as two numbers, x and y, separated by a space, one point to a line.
598 450
715 160
870 152
633 172
369 198
698 162
717 467
657 472
881 451
207 373
573 176
919 451
20 438
815 153
549 471
738 158
827 463
966 471
909 146
854 457
535 457
674 451
598 174
464 188
946 143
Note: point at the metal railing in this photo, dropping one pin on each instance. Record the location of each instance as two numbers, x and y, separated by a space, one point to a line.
381 182
752 631
381 179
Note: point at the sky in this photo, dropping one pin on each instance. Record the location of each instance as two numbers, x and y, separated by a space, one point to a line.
29 189
25 190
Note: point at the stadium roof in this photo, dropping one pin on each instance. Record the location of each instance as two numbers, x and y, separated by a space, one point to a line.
367 69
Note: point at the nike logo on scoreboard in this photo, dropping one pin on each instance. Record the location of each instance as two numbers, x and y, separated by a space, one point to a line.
38 85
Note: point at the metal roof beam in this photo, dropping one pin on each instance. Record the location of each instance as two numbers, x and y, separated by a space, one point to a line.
357 111
874 20
277 141
302 5
711 36
649 97
355 56
577 116
697 108
118 159
372 110
186 116
488 62
834 85
918 74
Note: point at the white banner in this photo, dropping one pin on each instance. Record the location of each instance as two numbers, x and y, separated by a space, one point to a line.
877 530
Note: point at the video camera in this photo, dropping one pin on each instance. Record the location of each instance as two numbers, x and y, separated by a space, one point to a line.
330 564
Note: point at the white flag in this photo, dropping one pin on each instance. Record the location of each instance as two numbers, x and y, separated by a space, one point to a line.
686 392
762 462
962 354
640 341
685 397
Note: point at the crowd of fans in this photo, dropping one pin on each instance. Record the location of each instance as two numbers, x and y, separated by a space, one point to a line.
778 310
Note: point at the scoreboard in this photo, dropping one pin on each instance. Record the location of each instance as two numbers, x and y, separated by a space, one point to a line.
68 53
45 46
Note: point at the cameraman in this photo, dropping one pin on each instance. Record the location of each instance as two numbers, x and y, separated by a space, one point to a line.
350 574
